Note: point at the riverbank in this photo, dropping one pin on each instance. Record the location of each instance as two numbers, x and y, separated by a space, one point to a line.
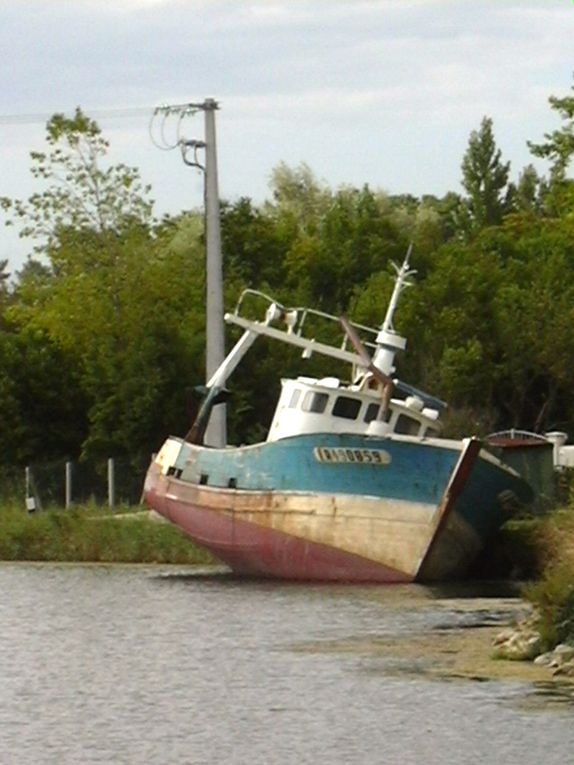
540 549
94 535
450 652
454 654
463 654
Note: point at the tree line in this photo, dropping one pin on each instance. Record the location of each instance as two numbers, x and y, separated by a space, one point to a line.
102 331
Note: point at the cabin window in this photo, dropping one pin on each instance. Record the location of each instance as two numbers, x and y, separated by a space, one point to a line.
346 407
372 412
295 398
407 426
431 433
315 402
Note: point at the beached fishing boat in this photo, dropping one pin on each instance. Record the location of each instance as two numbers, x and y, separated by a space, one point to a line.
354 481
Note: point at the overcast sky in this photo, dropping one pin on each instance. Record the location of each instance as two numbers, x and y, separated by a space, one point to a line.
384 92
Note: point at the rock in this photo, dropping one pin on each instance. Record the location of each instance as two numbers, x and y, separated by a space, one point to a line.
521 643
503 636
564 652
533 643
518 647
545 659
565 670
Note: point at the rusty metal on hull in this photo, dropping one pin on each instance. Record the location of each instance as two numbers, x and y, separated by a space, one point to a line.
254 550
260 534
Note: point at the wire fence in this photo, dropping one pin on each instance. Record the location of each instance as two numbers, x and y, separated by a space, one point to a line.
63 483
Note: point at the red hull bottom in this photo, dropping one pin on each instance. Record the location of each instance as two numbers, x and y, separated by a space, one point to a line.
258 551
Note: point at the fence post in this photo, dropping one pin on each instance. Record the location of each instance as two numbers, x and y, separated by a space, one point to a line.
111 484
68 502
32 497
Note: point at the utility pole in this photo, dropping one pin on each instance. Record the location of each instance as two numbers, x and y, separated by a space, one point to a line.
216 434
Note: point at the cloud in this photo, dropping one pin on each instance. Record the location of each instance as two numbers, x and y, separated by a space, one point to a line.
384 91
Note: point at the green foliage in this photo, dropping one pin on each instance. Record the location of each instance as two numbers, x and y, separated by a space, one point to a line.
353 240
558 148
298 197
554 599
253 245
485 178
43 408
113 326
81 197
529 191
553 595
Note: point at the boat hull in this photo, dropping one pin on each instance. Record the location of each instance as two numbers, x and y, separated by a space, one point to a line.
412 521
256 549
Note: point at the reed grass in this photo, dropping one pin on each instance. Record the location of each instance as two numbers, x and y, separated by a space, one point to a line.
553 594
93 534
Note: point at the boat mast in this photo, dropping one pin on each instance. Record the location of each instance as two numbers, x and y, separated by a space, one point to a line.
390 342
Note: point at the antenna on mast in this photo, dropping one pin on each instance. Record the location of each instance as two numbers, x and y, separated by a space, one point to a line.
389 342
401 283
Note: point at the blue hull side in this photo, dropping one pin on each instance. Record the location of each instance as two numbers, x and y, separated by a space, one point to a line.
339 464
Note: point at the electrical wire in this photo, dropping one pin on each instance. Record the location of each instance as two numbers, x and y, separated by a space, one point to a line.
163 113
38 118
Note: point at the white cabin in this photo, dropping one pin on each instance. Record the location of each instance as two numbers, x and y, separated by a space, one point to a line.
307 405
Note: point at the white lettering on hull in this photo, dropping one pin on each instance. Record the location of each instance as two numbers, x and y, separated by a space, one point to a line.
356 456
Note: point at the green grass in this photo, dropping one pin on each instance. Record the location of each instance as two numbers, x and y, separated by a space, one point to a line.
553 594
92 534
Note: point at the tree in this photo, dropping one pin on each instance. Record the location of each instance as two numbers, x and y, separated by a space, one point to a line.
298 195
353 238
533 314
114 307
43 407
558 148
529 191
485 178
254 246
81 196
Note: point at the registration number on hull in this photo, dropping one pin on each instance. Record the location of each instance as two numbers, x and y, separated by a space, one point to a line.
358 456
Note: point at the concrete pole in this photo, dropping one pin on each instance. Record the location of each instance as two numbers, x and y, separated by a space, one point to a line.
30 500
68 500
111 484
216 434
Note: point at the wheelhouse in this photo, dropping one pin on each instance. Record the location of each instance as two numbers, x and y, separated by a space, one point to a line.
307 405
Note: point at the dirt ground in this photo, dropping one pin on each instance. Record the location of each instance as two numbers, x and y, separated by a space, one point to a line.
450 652
461 653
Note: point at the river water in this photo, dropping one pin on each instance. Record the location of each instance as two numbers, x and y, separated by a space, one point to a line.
156 665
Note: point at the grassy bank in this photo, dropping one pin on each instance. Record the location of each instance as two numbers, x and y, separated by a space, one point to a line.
91 534
553 593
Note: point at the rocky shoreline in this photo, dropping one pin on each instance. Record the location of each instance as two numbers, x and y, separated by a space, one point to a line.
480 650
523 643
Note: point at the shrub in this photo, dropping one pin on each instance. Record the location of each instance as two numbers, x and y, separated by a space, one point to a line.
553 595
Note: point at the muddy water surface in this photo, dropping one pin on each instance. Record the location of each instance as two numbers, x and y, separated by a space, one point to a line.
153 665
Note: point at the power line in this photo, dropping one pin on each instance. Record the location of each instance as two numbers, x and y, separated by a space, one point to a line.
38 118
